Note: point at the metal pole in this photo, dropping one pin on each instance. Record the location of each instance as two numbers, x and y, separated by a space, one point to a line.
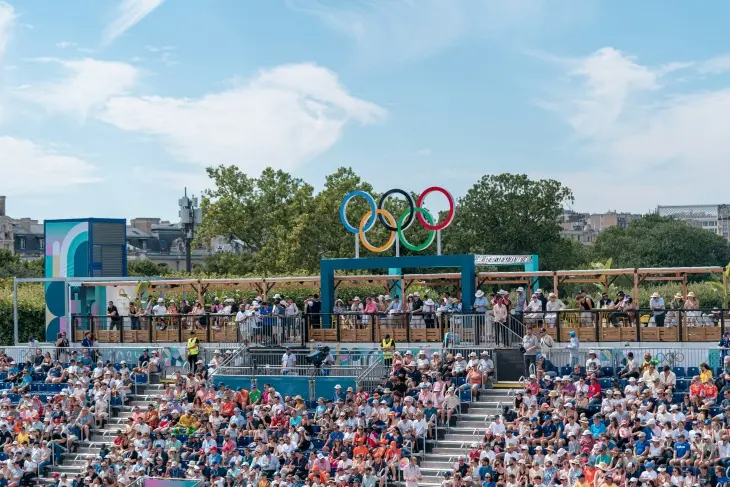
438 242
357 247
188 241
16 333
397 246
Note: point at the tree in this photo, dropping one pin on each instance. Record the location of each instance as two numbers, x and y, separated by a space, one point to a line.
145 268
12 266
512 214
655 241
260 212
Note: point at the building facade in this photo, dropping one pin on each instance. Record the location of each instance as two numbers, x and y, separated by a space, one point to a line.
713 218
585 227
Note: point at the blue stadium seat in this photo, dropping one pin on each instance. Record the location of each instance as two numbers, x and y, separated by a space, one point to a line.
605 384
461 381
692 371
718 372
682 384
623 383
465 395
680 372
317 444
565 370
607 371
677 397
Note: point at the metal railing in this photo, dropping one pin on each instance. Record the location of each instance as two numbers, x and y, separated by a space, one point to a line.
616 357
270 329
253 362
632 325
114 354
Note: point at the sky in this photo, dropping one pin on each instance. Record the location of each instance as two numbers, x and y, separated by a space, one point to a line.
109 109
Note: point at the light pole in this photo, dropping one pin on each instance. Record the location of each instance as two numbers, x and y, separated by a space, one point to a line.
190 217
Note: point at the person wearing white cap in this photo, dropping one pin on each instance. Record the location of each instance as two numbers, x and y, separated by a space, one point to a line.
656 303
481 305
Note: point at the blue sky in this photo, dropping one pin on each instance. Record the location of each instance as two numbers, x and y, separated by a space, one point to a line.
109 109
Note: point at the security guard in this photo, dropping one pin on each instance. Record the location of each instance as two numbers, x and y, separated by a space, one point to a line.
193 350
388 347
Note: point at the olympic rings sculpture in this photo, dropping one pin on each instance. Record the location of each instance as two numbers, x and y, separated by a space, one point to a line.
397 226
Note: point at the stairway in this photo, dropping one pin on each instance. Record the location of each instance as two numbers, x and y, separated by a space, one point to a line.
469 428
74 463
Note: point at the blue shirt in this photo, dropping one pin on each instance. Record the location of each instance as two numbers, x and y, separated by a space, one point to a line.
681 449
641 446
598 429
480 304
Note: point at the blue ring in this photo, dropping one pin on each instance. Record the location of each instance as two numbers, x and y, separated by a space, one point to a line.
343 211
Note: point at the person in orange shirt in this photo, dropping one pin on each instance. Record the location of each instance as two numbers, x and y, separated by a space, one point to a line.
317 474
227 408
360 449
392 456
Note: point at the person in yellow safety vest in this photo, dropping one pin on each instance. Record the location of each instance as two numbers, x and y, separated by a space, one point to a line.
388 347
193 350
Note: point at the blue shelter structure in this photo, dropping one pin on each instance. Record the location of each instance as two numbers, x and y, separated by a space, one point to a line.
328 267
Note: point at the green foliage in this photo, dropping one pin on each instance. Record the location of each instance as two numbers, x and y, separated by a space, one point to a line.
655 241
12 266
512 214
31 312
145 268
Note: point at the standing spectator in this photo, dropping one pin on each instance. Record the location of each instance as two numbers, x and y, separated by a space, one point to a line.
387 346
530 344
573 349
62 346
480 302
193 348
412 473
541 298
133 316
656 303
114 317
313 309
288 362
554 305
546 342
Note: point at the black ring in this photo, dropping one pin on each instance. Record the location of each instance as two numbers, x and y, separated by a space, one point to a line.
411 205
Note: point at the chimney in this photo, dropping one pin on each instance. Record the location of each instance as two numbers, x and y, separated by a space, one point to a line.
2 205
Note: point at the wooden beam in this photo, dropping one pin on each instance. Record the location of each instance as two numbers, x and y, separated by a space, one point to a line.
636 289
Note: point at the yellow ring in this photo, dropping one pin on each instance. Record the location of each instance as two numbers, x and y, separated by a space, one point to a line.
364 239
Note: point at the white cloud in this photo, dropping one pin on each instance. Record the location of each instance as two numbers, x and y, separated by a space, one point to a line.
65 44
87 85
425 152
395 31
7 19
717 65
130 12
281 118
51 170
651 139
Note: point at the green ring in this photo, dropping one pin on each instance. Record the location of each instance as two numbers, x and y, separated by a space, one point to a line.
402 237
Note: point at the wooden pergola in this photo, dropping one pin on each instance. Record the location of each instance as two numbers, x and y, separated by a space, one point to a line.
265 285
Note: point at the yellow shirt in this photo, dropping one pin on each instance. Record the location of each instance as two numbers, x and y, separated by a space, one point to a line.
185 420
584 484
193 346
705 376
22 438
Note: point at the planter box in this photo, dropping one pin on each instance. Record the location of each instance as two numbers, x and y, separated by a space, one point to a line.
397 334
322 335
356 335
664 334
227 334
585 334
701 333
426 335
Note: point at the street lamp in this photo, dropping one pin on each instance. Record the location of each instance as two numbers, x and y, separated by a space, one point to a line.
190 217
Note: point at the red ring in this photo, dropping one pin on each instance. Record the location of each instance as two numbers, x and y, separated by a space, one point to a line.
450 216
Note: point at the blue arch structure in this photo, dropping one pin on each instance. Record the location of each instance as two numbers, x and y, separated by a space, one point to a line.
329 266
